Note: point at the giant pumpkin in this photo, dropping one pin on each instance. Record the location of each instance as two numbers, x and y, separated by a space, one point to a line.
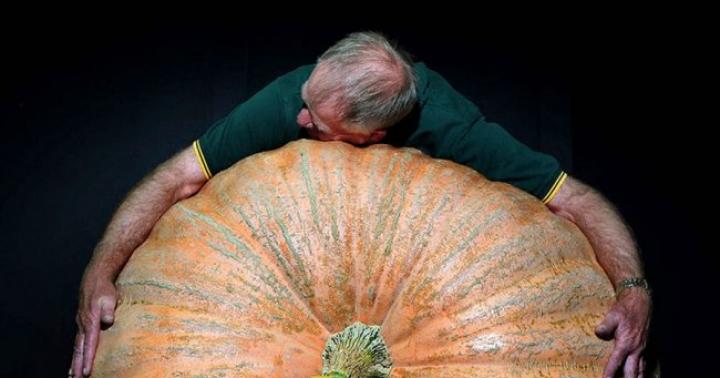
281 260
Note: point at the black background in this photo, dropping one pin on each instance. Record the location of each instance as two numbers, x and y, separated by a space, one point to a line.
89 107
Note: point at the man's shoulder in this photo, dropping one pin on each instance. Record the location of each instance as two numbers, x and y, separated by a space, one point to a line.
301 71
425 74
438 97
295 78
285 89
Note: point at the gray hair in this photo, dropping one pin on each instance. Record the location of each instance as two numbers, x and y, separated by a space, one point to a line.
374 81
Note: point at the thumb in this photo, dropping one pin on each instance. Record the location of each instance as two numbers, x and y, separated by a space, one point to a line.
107 309
606 329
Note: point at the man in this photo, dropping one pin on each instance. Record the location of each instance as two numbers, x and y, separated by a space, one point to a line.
364 91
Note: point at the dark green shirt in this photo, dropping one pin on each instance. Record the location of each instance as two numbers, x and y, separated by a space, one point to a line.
444 125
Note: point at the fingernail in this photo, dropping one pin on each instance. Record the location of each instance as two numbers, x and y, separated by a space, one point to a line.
86 371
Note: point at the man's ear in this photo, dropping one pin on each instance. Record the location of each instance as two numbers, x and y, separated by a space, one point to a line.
377 135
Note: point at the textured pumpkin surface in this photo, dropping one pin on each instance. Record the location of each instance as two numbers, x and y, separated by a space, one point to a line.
249 277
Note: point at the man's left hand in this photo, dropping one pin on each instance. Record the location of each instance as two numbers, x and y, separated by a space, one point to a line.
627 322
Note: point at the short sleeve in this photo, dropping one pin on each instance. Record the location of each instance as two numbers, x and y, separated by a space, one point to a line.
259 124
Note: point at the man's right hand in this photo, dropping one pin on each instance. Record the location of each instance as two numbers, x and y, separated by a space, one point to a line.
98 298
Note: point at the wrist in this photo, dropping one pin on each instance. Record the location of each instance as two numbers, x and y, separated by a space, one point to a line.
95 273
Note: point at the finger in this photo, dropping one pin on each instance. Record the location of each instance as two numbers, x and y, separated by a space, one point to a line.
76 366
642 367
606 329
631 366
615 361
107 310
91 337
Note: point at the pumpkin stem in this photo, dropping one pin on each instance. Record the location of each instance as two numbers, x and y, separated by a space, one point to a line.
357 352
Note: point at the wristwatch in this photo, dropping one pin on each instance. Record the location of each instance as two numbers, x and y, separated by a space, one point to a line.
632 282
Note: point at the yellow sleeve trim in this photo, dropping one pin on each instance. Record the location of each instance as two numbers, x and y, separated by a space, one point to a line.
555 188
201 159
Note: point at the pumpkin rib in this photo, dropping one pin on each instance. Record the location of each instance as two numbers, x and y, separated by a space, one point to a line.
421 258
383 277
263 251
227 230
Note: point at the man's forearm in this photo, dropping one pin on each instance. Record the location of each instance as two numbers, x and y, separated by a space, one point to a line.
628 319
601 223
132 222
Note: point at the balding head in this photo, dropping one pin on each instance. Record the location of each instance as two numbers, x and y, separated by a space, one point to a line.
369 83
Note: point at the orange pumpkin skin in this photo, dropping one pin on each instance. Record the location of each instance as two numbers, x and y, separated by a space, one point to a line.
251 276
